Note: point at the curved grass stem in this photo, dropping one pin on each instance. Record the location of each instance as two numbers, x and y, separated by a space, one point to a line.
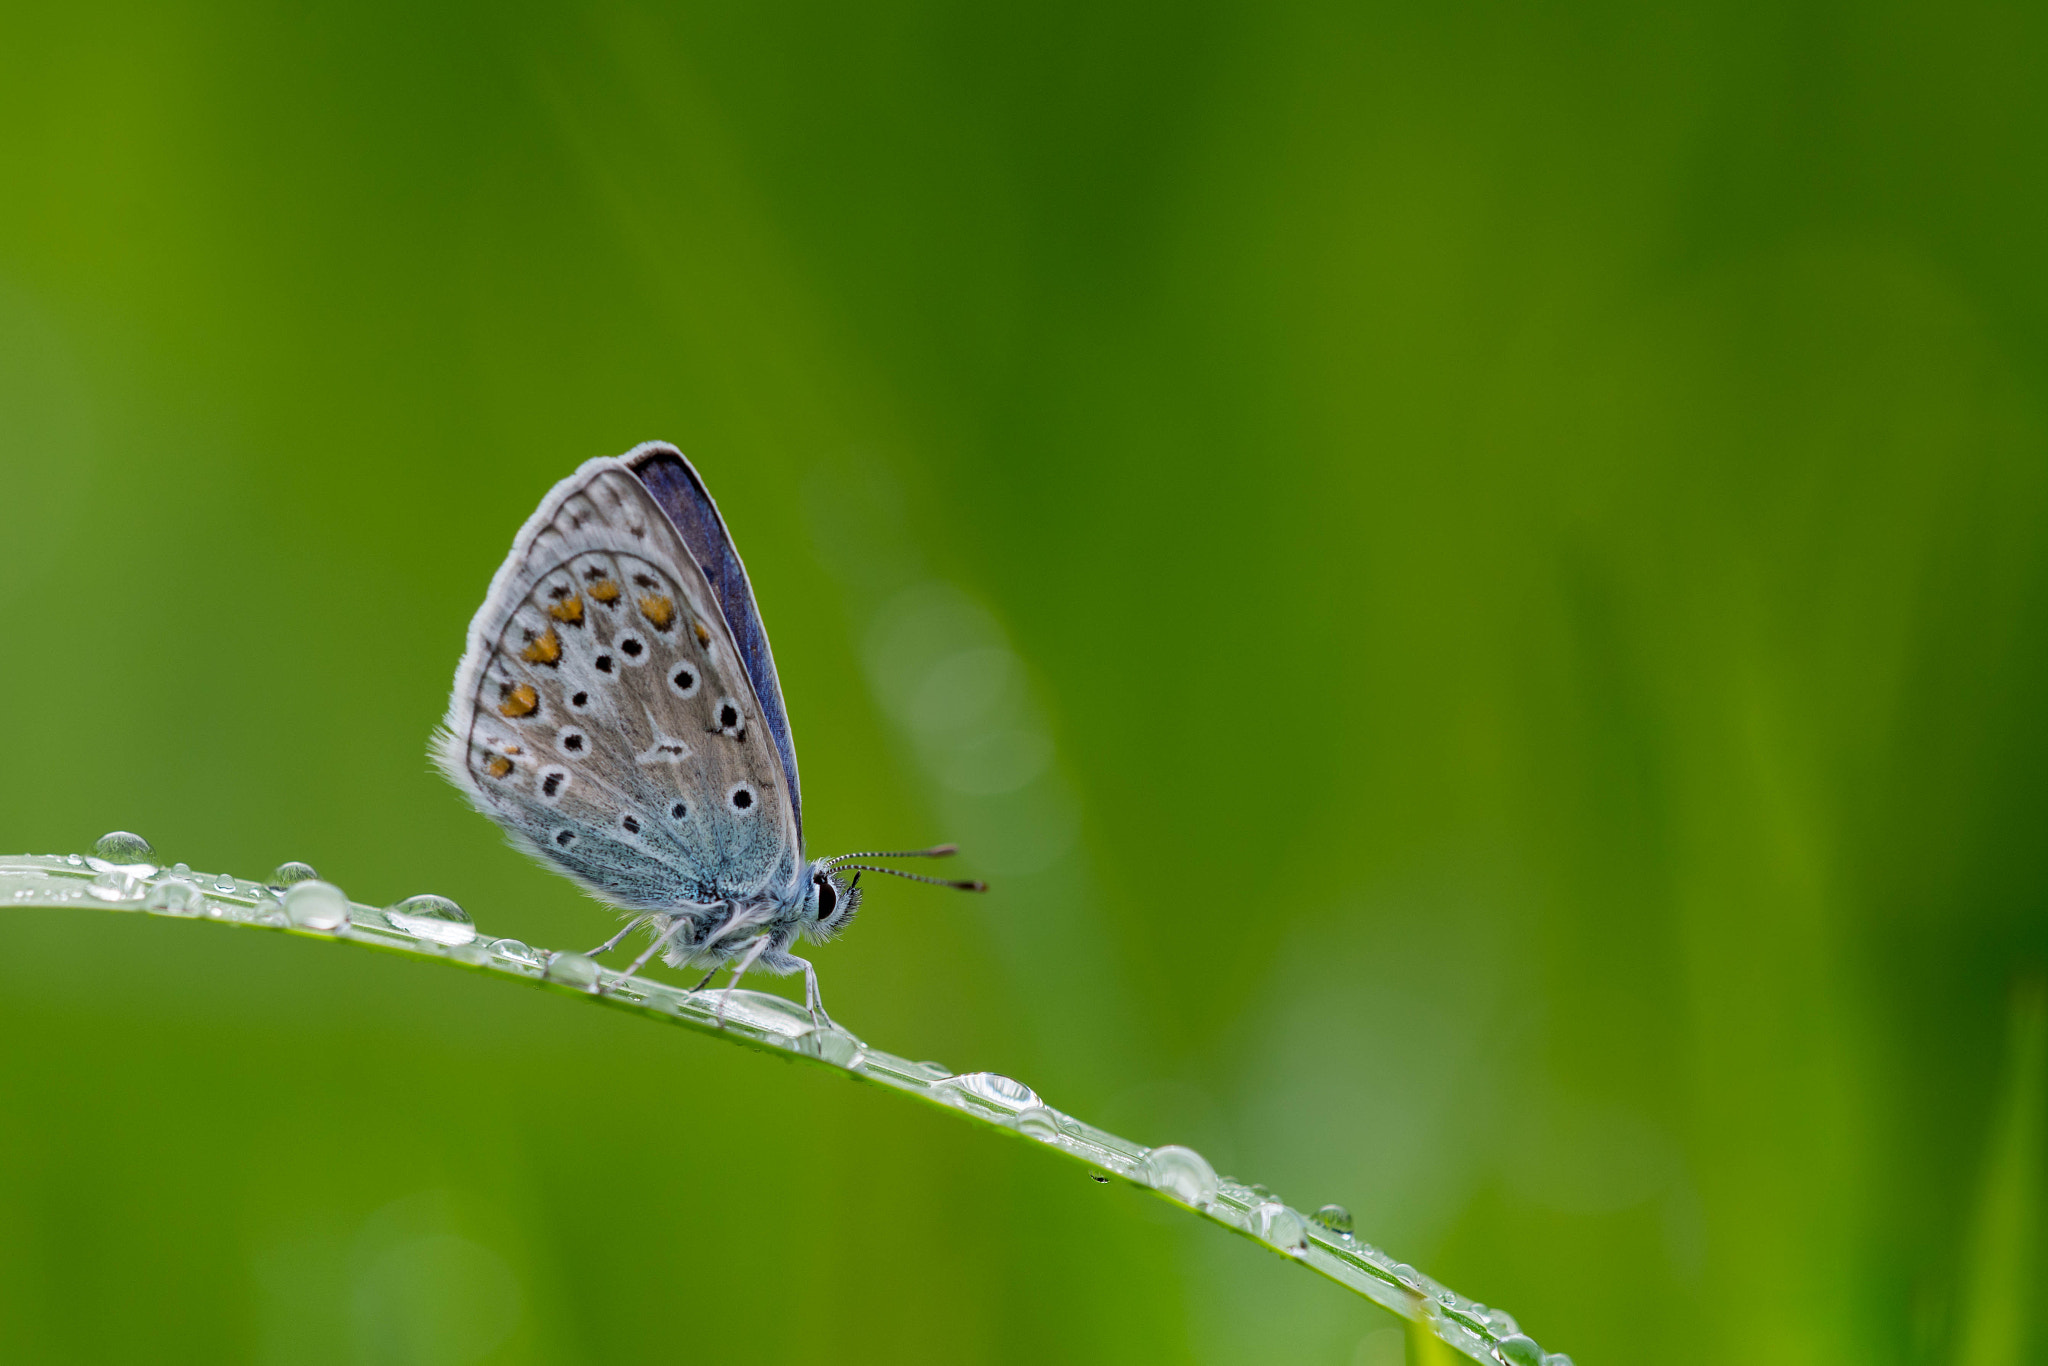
758 1020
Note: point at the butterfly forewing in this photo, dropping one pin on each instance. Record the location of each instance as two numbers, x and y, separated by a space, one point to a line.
603 715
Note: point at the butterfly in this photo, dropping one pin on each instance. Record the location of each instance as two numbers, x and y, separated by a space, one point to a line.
617 713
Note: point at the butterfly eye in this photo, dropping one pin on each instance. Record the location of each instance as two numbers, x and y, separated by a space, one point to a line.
828 899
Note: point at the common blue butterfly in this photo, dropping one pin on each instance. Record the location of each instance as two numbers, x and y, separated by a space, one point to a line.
617 713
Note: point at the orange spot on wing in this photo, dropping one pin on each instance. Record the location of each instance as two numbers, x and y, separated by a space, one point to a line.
521 701
660 612
569 611
605 591
703 636
543 649
499 766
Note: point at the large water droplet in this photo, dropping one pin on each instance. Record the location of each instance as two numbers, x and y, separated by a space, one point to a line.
1518 1351
993 1090
434 918
573 970
1038 1122
290 874
1181 1173
176 896
316 905
123 846
1280 1226
1335 1218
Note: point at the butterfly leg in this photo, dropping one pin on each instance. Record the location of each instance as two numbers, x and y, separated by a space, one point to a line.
608 945
754 951
660 941
812 1002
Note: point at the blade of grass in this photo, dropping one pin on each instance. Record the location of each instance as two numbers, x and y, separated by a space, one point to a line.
119 877
1998 1298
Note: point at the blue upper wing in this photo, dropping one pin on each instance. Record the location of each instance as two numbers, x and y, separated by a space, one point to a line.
681 494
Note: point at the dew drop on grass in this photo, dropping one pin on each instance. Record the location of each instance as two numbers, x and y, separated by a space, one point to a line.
291 873
995 1090
316 905
115 885
123 846
1335 1218
573 970
176 896
1037 1122
434 918
513 952
1275 1223
1518 1351
1181 1173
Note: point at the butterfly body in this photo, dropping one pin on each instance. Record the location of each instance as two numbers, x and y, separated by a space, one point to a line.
617 712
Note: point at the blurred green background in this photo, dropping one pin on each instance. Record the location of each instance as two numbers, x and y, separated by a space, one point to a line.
1474 575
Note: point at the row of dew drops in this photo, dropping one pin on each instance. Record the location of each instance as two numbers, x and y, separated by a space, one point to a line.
125 870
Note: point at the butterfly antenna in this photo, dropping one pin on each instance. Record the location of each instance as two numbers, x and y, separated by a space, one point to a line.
914 877
936 851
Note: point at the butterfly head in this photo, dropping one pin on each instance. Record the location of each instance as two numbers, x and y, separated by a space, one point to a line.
829 901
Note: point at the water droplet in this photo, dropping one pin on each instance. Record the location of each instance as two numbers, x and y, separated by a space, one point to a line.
316 905
1518 1351
74 860
573 970
992 1090
1098 1176
225 882
513 952
115 885
292 873
1181 1173
1556 1359
122 846
1038 1122
834 1046
1335 1218
1280 1226
434 918
936 1071
181 867
1501 1321
176 896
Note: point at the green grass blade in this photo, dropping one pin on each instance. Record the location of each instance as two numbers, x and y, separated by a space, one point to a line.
757 1020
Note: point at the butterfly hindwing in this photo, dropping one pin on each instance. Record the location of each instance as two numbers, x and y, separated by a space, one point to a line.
604 716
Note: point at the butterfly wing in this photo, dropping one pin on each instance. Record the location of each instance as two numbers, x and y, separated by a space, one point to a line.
603 714
673 483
